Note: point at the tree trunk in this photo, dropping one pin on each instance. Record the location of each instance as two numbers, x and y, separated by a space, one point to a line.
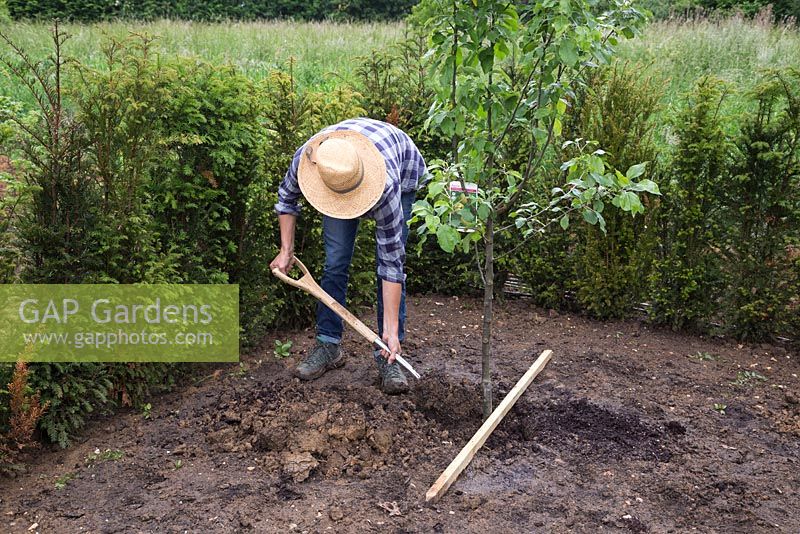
488 298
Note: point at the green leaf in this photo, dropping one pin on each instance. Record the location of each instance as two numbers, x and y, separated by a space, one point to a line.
486 57
590 217
500 50
599 206
432 222
648 186
568 52
636 171
564 222
448 237
602 222
483 211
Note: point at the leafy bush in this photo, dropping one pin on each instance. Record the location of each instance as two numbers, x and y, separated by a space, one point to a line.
688 275
155 170
617 110
764 202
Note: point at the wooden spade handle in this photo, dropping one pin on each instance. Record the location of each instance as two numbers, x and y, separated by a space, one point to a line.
307 284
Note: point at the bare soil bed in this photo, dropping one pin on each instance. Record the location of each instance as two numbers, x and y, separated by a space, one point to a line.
618 434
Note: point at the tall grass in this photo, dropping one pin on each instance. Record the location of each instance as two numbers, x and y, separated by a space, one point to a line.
734 48
323 52
677 52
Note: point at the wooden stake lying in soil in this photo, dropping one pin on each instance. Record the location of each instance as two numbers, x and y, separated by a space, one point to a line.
465 456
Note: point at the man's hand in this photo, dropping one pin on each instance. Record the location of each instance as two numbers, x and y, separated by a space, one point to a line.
283 261
394 344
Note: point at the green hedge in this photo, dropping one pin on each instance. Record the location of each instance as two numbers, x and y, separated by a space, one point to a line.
208 10
719 251
162 170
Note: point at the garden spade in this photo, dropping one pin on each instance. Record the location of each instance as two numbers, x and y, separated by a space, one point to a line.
307 284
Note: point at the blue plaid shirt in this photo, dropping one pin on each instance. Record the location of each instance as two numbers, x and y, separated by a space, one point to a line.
405 168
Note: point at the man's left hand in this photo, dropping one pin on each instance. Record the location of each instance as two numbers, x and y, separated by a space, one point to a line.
393 343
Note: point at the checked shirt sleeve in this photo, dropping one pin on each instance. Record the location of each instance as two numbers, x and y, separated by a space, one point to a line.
414 169
289 190
389 236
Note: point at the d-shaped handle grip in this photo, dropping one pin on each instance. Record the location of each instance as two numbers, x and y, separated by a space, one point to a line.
304 282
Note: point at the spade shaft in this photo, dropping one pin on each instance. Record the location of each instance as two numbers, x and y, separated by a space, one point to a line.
310 286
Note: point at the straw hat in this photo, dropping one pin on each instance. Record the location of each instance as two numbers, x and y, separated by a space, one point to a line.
342 174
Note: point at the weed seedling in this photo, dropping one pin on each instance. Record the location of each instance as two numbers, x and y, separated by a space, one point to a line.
63 480
746 378
241 372
282 348
720 407
105 456
177 465
704 356
146 410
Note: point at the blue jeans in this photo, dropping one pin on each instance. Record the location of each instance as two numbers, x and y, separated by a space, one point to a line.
339 236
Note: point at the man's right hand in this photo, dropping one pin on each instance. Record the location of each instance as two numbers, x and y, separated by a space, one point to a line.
283 261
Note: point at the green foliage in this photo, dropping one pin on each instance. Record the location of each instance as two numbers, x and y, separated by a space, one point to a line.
207 10
505 83
108 455
747 378
282 349
688 274
546 265
616 110
153 169
15 196
764 202
63 480
74 391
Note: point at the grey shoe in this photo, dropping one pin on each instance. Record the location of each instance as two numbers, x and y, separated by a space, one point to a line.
393 380
324 357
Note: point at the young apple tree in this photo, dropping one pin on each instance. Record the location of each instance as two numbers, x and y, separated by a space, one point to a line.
506 73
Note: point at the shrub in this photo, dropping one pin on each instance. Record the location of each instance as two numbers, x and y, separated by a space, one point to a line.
617 110
764 202
161 170
688 275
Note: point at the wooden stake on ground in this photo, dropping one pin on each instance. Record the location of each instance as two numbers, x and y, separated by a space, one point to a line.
465 456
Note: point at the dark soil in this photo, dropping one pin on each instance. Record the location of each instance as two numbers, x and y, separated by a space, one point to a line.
618 434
